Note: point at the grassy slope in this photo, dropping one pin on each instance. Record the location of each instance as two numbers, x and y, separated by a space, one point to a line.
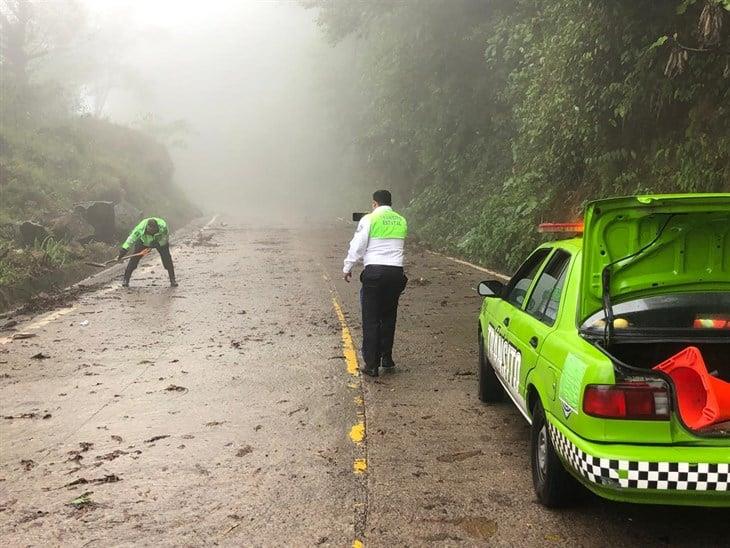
45 170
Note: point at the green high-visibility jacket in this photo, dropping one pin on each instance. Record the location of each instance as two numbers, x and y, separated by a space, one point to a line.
160 238
386 224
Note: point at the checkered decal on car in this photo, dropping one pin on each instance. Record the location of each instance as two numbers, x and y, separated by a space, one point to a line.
678 476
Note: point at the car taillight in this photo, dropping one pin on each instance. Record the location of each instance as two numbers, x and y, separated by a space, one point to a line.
626 401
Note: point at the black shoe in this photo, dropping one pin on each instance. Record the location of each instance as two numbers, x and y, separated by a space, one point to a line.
370 372
387 363
173 283
125 283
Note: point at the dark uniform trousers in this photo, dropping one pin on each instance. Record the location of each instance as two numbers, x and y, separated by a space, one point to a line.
381 288
163 250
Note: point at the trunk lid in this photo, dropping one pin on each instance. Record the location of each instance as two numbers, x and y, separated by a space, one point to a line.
651 245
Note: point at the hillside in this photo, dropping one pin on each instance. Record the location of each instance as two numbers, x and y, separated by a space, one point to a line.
487 117
46 169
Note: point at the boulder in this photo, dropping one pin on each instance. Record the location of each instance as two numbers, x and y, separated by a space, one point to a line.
100 215
30 232
126 217
74 227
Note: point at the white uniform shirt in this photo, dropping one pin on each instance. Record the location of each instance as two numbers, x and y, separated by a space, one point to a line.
384 252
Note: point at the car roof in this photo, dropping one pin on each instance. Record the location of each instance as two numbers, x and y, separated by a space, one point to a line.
570 244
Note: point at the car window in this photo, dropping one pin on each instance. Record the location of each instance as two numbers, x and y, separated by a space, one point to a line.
687 313
545 298
516 290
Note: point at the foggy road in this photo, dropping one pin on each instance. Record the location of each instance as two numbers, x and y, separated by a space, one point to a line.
227 411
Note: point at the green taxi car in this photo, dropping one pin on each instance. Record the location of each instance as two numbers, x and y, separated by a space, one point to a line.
575 336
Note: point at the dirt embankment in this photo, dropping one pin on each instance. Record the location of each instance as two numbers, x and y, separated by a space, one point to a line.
71 190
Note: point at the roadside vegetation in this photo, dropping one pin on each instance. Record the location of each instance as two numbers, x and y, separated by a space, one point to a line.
57 150
489 116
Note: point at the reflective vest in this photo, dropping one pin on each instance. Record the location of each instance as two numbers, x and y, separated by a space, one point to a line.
160 238
387 225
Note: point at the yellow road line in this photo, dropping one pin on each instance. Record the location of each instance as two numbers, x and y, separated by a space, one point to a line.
347 346
360 466
358 431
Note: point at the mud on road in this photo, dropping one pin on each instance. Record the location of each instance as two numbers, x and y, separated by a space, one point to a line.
222 412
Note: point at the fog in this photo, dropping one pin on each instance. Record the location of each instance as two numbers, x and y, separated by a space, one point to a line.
238 92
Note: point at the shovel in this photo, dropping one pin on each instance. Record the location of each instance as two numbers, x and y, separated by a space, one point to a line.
112 261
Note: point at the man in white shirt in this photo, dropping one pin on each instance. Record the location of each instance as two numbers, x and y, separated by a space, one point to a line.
378 243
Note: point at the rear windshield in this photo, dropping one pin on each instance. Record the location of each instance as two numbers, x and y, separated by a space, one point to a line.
708 312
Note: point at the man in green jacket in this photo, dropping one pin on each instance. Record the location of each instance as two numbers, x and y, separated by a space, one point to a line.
149 233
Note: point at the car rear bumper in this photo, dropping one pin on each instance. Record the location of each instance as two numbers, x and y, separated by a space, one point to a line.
694 476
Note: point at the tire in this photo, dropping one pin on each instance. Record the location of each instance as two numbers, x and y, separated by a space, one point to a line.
490 389
554 486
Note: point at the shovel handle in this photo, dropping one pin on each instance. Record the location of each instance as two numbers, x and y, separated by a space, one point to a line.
142 253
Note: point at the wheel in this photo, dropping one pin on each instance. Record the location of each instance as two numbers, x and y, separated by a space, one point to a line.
554 486
490 390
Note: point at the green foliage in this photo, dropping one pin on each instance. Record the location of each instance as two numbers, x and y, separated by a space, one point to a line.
19 265
46 169
53 251
489 116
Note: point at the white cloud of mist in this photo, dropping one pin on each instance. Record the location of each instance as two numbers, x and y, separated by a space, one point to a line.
244 76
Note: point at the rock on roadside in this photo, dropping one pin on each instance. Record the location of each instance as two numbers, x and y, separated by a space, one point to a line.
31 232
73 226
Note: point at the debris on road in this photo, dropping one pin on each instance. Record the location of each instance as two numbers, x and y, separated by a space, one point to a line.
202 471
27 464
9 324
109 478
82 500
421 281
40 356
18 336
84 323
231 528
115 454
176 388
243 451
27 416
156 438
203 239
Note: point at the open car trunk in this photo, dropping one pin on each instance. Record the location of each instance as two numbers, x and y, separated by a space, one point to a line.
716 358
648 355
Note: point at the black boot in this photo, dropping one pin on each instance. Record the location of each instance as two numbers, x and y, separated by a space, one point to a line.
387 362
125 282
370 371
173 282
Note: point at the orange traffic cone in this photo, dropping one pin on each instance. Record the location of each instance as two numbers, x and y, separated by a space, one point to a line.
703 399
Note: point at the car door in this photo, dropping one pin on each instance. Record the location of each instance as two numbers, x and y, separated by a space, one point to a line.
530 326
502 346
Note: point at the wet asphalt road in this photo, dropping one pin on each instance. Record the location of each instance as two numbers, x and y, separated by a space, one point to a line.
222 412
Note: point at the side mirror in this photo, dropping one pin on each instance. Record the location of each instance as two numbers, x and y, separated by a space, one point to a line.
491 288
357 216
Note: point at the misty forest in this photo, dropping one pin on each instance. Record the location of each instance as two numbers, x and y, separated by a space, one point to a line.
364 273
485 117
